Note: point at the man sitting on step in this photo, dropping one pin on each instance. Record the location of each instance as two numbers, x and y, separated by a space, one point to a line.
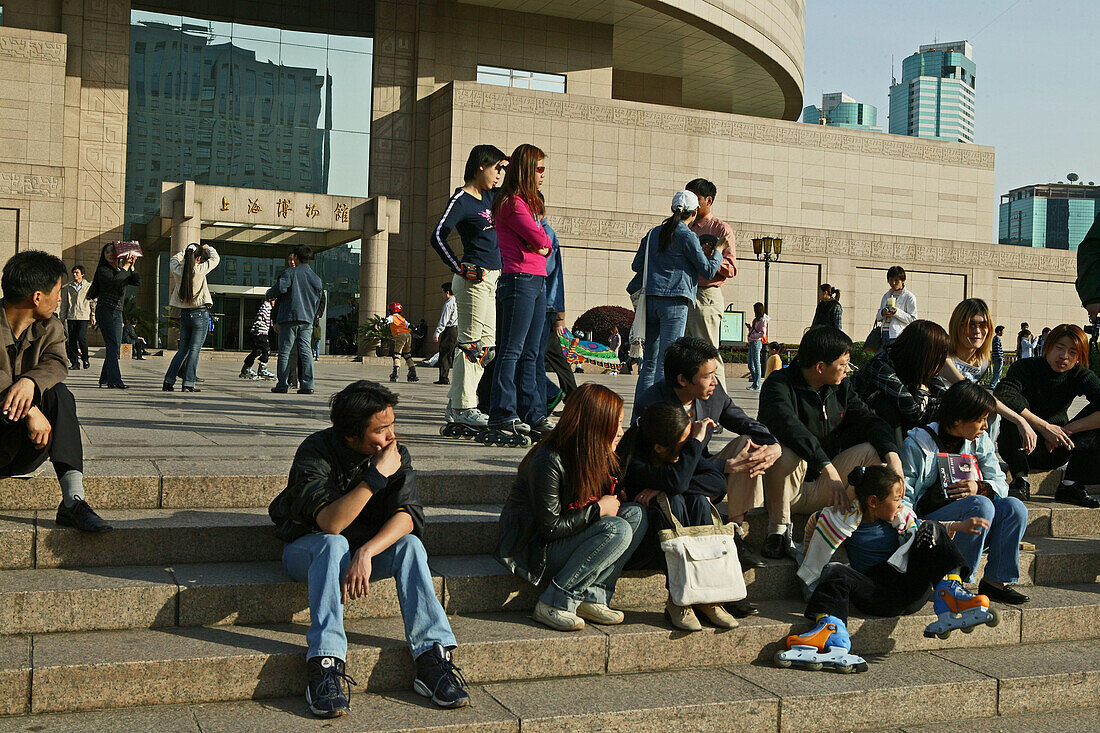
351 515
37 412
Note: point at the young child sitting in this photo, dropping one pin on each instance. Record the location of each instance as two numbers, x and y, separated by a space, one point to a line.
775 358
130 336
896 563
664 453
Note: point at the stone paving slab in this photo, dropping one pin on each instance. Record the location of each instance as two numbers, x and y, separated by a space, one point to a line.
110 483
17 533
1063 721
1068 612
1038 677
1063 560
15 675
901 689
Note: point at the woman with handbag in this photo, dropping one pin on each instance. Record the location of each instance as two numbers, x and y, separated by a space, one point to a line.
961 430
112 276
669 263
828 312
663 462
758 336
564 519
191 295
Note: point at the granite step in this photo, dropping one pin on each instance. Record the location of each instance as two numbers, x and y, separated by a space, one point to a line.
70 671
167 536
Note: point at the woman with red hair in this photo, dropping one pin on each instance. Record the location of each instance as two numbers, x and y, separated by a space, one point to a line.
1041 389
564 519
515 407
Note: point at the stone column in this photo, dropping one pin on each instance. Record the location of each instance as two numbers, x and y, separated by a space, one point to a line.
381 219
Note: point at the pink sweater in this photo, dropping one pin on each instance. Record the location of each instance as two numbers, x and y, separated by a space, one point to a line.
519 236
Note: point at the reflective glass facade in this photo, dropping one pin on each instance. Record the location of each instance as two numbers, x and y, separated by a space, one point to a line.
935 97
1052 216
840 110
254 107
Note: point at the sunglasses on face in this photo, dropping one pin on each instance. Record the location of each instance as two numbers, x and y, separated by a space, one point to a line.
540 169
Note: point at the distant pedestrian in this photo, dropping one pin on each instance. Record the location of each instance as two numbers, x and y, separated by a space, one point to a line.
553 357
315 337
446 334
1025 343
758 336
898 307
112 277
77 313
997 359
259 334
299 292
1042 341
829 312
190 296
137 343
775 358
402 342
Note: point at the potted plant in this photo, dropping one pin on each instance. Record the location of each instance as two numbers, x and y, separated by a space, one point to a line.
373 333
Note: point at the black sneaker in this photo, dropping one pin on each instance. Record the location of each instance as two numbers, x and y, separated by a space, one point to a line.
81 516
1020 488
325 693
438 677
87 365
747 556
775 547
741 608
74 367
1071 492
305 390
280 390
1007 594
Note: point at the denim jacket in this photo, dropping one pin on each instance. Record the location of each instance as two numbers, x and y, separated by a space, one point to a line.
918 457
676 271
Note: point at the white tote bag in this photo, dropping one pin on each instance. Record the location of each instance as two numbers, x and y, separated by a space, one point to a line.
637 329
702 561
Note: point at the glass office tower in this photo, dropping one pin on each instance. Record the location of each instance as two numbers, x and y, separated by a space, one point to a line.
840 110
1051 215
935 97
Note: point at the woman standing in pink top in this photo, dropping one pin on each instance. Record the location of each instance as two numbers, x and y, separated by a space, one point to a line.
515 408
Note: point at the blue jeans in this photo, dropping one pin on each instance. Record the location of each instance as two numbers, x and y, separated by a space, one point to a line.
194 325
756 368
320 561
1007 523
295 336
521 344
586 566
665 321
995 370
110 325
546 387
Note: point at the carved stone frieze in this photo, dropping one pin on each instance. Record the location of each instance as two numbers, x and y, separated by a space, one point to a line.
30 185
32 49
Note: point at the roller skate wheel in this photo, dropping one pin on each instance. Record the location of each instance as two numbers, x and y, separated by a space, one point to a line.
813 666
861 667
843 668
526 441
943 634
444 431
780 661
996 618
967 629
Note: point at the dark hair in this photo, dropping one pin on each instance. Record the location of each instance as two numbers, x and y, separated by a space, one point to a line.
1066 330
821 343
963 402
685 356
662 423
919 353
999 330
78 267
668 226
352 408
1045 331
447 288
519 181
186 290
481 156
701 187
868 481
30 271
303 252
758 310
776 346
829 290
897 271
1023 326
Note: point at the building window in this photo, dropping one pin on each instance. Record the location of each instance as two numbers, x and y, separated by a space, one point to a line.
521 79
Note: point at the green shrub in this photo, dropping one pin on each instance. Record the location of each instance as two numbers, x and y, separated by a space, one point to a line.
600 319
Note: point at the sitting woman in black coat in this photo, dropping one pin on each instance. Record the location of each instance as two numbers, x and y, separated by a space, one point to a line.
564 520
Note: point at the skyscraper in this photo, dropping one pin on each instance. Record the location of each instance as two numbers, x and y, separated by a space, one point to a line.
935 97
1051 215
840 110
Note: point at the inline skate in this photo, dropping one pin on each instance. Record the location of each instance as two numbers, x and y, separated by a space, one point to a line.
827 644
468 424
541 429
508 434
958 608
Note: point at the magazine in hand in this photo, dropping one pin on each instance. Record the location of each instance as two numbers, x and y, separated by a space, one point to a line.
125 249
955 467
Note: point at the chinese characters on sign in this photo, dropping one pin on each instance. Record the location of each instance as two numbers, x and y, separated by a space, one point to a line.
225 204
312 211
341 212
254 206
283 207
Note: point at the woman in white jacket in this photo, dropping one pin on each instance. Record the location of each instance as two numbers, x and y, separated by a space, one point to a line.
191 295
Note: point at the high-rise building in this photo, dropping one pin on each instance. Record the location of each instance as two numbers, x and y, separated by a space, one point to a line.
1050 215
840 110
935 97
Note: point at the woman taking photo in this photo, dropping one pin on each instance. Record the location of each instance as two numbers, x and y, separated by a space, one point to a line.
758 336
515 408
190 294
669 263
563 519
828 311
1042 389
476 272
112 275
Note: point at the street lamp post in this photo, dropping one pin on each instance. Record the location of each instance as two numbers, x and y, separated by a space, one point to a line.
767 250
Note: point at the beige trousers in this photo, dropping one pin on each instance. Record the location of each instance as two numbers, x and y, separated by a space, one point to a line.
786 494
742 492
705 321
477 322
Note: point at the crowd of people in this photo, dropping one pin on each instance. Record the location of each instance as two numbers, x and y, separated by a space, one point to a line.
863 455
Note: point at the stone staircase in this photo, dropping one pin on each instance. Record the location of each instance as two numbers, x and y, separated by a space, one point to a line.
184 619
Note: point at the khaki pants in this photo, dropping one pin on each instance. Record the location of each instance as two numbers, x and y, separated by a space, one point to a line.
477 323
786 494
742 492
705 321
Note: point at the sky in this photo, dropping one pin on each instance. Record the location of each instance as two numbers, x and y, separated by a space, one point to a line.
1037 82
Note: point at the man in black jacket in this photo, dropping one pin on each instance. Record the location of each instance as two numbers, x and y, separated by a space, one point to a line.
824 430
351 515
691 381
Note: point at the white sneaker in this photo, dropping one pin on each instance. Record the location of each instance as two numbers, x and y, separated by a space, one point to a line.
717 615
473 417
557 618
682 617
599 613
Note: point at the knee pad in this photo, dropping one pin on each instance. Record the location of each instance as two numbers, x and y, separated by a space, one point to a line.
475 354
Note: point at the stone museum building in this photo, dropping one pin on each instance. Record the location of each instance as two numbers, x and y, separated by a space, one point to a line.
345 124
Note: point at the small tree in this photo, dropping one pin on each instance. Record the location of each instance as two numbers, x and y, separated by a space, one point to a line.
600 319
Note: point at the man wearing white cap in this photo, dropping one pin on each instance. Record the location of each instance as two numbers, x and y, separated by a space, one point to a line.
668 265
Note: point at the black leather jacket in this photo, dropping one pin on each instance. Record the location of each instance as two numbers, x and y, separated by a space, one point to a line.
535 516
